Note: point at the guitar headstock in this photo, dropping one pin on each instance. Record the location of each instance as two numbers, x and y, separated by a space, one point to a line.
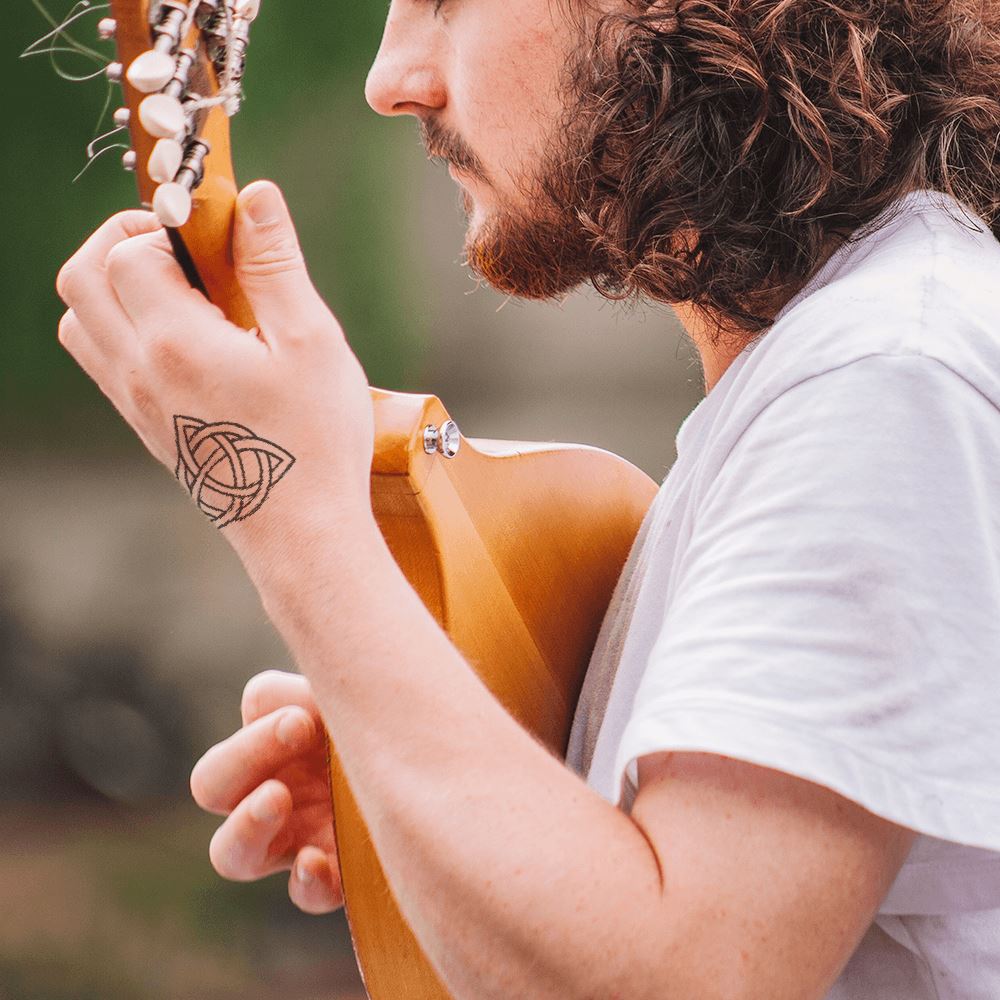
180 63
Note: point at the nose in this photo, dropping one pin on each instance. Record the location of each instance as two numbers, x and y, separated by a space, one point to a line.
406 77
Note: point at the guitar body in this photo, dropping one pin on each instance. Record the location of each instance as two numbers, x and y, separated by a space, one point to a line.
515 548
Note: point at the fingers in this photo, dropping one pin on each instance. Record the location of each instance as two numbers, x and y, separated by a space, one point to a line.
314 885
125 280
95 250
83 282
230 770
272 689
152 288
74 339
242 848
269 263
247 847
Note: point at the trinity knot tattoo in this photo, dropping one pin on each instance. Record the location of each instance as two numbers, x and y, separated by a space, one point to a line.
227 469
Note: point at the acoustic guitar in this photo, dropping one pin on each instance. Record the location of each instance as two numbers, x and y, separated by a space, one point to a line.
514 547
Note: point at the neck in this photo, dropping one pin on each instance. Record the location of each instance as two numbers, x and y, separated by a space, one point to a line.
717 351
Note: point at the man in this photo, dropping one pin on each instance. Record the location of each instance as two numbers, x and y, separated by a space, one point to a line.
789 729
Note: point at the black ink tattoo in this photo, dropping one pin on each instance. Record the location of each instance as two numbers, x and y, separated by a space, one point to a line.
226 468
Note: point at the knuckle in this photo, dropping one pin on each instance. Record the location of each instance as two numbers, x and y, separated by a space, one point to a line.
121 260
309 330
67 329
312 330
168 358
202 790
136 221
276 257
143 400
67 280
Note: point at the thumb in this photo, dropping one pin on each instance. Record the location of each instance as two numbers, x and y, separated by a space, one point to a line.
268 260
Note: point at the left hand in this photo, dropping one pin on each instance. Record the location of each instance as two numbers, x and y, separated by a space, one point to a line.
159 350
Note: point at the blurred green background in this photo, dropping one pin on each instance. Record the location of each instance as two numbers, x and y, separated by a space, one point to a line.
305 122
127 628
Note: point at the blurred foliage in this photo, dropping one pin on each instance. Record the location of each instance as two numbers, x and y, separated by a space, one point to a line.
304 123
156 922
120 901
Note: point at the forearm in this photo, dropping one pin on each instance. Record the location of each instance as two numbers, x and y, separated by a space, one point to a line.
517 879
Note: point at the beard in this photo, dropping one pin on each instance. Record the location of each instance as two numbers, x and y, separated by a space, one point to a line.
544 246
536 253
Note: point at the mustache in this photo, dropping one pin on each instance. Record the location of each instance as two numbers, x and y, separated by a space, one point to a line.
443 144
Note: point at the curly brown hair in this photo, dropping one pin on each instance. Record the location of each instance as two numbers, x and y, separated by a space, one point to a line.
726 143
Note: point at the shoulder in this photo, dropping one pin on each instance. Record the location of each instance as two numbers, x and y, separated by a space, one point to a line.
918 300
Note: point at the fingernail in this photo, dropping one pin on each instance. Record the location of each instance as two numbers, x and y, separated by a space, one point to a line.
263 807
265 206
294 729
303 875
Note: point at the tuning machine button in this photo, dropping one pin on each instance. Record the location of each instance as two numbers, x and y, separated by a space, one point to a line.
165 160
162 116
151 71
172 200
172 204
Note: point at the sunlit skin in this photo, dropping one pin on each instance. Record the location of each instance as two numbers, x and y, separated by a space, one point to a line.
502 68
726 881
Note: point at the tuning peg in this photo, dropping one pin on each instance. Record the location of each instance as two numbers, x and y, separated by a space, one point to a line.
151 71
165 160
106 28
121 117
162 116
172 204
129 160
113 71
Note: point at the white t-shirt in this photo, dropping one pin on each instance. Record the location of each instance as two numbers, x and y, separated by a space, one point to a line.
816 588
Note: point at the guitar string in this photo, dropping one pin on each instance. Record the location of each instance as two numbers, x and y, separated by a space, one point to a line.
94 157
61 41
228 87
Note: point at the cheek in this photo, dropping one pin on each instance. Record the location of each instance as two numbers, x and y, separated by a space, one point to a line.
505 86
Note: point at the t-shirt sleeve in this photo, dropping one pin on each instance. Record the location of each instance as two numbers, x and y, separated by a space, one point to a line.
836 613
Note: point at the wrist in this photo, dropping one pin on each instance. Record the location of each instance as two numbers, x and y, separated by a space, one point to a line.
290 543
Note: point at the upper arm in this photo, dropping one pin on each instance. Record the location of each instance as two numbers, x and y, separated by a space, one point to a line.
769 881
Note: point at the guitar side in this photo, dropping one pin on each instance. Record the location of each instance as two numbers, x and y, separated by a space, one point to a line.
516 549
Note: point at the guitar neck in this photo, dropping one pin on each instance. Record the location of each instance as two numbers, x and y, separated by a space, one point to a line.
204 244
